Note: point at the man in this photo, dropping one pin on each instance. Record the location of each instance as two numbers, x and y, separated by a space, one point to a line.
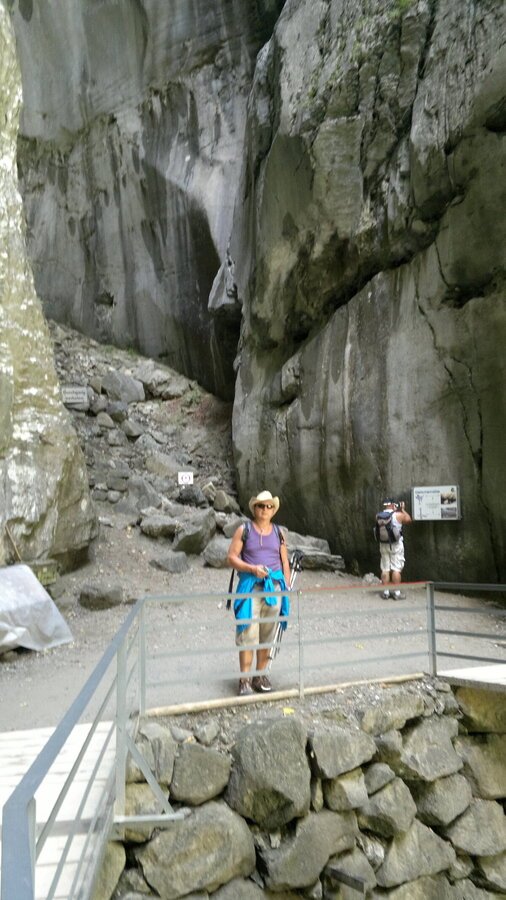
389 526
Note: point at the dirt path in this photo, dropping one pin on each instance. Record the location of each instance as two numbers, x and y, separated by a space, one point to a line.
346 626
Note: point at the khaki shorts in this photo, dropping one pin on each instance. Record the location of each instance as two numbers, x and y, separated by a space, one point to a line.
258 632
392 557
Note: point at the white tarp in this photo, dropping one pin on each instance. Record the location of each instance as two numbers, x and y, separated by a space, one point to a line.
28 616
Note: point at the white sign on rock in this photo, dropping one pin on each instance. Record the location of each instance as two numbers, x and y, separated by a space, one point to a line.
185 477
75 395
437 503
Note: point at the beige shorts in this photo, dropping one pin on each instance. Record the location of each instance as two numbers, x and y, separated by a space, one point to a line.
392 557
258 632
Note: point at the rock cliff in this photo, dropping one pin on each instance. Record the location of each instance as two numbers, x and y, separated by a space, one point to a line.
45 507
327 176
369 249
132 131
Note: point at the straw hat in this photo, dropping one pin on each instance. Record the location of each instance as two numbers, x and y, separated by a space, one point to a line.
264 497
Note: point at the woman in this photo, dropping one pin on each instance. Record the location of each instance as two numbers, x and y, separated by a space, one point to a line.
258 553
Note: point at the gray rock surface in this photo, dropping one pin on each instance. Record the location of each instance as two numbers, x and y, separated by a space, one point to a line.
209 848
200 774
299 860
270 778
441 801
484 764
339 749
426 751
44 496
417 852
480 830
370 265
389 811
148 165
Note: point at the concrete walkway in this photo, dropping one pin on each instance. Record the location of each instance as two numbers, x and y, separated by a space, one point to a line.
71 829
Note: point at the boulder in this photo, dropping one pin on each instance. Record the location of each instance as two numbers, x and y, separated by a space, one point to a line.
440 802
194 534
355 864
270 778
140 801
484 711
101 596
484 764
415 853
122 387
140 495
158 747
480 830
426 750
345 792
239 889
200 774
493 870
389 811
204 851
159 526
112 866
427 888
376 776
174 562
223 502
394 709
215 553
299 860
338 749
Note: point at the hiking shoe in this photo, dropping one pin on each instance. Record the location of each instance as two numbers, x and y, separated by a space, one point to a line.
398 595
245 687
261 684
385 595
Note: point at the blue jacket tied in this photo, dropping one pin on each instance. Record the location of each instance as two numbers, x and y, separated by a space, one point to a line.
243 606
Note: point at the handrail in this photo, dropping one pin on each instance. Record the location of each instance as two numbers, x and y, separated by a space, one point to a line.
20 845
17 841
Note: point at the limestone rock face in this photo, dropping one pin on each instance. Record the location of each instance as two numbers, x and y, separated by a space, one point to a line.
130 160
44 497
369 250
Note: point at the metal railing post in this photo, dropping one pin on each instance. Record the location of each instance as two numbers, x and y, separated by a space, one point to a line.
142 660
121 742
301 647
431 628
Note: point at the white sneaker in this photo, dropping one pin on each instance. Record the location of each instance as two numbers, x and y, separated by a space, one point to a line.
397 595
385 595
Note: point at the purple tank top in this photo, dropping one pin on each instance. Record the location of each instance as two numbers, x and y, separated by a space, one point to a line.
262 550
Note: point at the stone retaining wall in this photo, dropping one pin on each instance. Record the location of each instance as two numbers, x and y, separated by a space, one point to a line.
407 793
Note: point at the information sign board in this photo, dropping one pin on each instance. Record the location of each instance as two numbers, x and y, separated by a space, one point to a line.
75 395
438 503
185 477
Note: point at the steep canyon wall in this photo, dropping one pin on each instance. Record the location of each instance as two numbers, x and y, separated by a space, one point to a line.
45 506
369 242
326 177
133 124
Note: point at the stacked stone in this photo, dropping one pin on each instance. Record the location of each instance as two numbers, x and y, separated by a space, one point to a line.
408 796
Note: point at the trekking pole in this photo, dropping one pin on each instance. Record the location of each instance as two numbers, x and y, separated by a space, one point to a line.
295 567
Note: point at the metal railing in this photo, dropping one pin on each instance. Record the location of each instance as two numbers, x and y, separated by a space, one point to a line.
322 649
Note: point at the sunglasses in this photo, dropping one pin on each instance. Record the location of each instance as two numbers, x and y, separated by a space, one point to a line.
264 505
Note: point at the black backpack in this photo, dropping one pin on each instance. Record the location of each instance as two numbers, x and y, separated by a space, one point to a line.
245 535
386 529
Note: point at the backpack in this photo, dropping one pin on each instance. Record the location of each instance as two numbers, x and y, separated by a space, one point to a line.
245 535
386 529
